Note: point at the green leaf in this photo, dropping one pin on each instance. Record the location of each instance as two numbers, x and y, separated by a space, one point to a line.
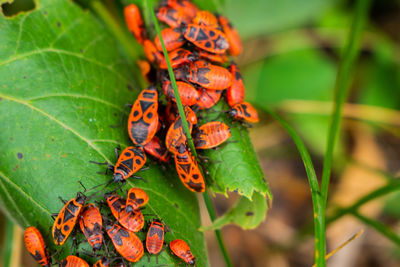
234 167
63 81
246 213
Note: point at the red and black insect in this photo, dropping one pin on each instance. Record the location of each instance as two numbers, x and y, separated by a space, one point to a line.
232 35
145 69
244 111
172 17
143 119
186 6
136 198
134 22
36 247
175 135
205 37
206 18
103 262
211 134
132 221
129 162
209 76
125 242
235 93
73 261
188 170
208 98
66 219
182 250
178 57
91 223
119 264
172 38
151 52
155 237
189 95
217 58
157 149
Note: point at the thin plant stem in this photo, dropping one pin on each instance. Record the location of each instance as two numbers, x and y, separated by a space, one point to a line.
350 53
185 125
173 82
341 89
381 191
319 235
378 226
211 212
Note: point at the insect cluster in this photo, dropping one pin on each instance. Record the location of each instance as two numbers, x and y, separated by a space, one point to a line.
122 233
199 44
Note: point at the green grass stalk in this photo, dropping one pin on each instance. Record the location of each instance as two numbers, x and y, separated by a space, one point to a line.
185 125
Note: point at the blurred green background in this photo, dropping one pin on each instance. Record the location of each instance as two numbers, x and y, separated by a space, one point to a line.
290 61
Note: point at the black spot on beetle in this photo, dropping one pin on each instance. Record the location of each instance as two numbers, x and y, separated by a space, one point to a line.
58 24
249 213
20 155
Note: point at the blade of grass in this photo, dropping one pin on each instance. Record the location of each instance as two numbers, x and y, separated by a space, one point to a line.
319 249
350 53
392 186
381 191
336 250
378 226
185 125
341 89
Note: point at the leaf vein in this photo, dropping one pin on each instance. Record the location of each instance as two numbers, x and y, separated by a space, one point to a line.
65 52
11 199
89 142
76 96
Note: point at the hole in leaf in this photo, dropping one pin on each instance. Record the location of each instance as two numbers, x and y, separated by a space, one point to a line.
17 6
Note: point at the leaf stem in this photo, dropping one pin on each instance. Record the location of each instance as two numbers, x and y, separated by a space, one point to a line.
185 125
